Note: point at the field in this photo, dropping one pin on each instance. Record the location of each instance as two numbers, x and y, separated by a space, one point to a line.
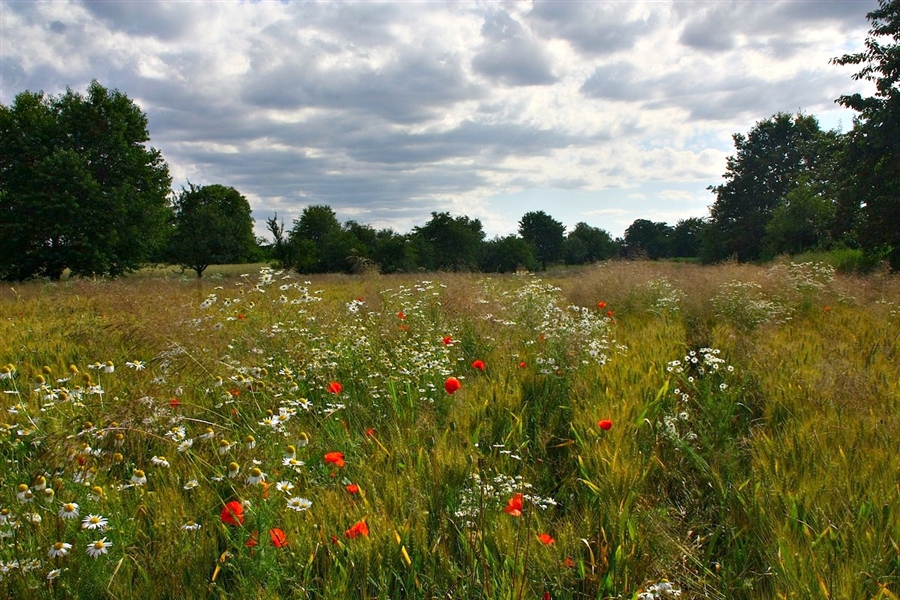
627 430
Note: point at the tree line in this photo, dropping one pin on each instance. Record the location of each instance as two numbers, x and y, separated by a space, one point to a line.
81 191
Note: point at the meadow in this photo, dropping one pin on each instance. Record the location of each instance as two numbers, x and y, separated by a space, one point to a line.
627 430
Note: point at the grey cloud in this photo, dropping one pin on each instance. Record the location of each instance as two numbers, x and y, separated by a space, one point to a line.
161 20
615 81
592 27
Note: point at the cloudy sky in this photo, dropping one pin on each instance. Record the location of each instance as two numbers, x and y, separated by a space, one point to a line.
590 110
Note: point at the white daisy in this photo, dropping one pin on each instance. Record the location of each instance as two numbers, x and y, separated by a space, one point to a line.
139 477
256 476
160 461
233 470
298 504
68 511
191 484
190 526
94 522
95 549
59 549
183 446
54 574
284 486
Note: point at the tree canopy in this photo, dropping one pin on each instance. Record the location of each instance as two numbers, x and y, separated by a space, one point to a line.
213 226
79 188
545 235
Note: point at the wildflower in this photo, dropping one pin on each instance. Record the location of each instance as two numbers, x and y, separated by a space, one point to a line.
278 537
605 424
40 483
448 340
357 529
601 305
250 442
353 488
185 445
256 476
370 432
302 439
191 484
137 365
59 549
334 388
208 434
224 446
522 365
609 314
109 367
174 403
291 453
253 540
233 513
546 539
233 470
514 506
24 493
478 364
293 463
95 549
401 315
452 385
139 477
569 563
69 511
284 486
190 526
94 522
298 504
335 458
160 461
53 574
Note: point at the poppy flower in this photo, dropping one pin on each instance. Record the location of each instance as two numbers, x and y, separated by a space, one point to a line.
278 537
546 539
448 340
335 458
522 365
546 596
604 424
569 563
452 384
353 488
334 388
233 514
401 315
253 540
601 305
174 403
478 364
370 432
358 529
609 314
514 506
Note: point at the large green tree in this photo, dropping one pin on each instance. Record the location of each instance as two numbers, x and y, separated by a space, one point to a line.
648 239
769 163
545 235
874 153
317 243
213 226
449 243
79 187
587 244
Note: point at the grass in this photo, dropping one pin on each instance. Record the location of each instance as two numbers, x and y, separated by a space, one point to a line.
751 455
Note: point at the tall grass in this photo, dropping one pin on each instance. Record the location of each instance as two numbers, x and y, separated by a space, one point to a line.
628 430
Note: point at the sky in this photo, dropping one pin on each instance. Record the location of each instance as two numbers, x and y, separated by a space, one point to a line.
591 110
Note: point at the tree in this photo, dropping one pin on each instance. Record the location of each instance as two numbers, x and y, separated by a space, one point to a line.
449 243
279 242
646 238
79 188
316 241
507 255
545 235
875 139
687 237
213 226
801 223
768 165
586 244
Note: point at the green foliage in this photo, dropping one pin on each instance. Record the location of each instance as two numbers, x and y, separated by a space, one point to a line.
213 226
645 238
874 171
80 189
586 244
545 235
507 255
448 243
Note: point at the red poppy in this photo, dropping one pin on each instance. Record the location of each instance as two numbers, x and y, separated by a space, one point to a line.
370 432
233 513
240 316
358 528
546 596
601 305
827 309
522 365
174 403
401 315
448 340
452 384
404 328
478 364
604 424
253 540
514 506
334 388
609 314
353 488
569 563
278 537
546 539
335 458
359 299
